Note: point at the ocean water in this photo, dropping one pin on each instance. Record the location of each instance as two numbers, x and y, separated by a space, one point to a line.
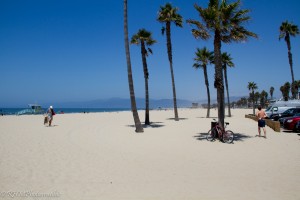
14 111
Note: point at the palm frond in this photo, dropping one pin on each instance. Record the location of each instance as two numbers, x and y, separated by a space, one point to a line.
196 66
143 35
168 13
227 59
203 34
150 50
203 57
201 31
288 28
135 40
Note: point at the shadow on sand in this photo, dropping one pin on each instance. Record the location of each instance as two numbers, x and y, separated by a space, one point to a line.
208 118
238 137
287 131
179 119
51 125
152 125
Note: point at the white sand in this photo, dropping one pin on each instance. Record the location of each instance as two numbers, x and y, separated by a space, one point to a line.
99 156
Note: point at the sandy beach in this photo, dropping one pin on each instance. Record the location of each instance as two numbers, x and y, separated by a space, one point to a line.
99 156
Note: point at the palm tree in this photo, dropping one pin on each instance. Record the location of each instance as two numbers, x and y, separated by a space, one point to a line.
294 89
271 92
256 97
225 21
227 61
243 101
167 15
137 122
286 30
263 98
251 87
202 59
144 38
297 86
285 90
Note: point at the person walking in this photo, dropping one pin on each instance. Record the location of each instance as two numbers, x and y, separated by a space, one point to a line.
50 112
261 115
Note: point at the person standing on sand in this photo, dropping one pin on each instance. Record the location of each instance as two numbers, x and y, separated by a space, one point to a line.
261 115
50 113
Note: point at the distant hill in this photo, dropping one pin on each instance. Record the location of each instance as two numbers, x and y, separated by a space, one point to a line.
124 103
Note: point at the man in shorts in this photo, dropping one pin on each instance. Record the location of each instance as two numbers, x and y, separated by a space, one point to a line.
261 115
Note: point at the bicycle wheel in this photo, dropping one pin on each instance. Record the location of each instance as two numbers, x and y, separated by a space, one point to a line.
211 134
228 136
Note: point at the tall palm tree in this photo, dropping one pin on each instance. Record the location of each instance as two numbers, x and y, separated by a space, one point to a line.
227 61
251 87
137 122
144 38
225 21
167 15
286 30
202 59
271 91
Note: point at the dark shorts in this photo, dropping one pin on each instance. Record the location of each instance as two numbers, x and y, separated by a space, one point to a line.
261 123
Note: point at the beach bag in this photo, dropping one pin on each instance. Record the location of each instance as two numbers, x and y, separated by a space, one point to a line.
45 119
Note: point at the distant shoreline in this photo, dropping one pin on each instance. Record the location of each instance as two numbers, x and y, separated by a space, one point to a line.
13 111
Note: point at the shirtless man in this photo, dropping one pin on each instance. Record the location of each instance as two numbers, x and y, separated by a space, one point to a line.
261 122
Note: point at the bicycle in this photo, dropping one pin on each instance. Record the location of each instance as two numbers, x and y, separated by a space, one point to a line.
224 135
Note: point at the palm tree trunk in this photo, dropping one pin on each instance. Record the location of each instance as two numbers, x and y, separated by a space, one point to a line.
291 64
219 78
169 46
136 118
146 76
226 84
253 102
288 43
147 114
207 90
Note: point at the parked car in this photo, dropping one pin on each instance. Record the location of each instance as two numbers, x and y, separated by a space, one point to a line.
290 123
280 106
282 119
275 110
288 113
297 126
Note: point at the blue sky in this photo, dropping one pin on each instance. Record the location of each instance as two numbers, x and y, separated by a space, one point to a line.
73 50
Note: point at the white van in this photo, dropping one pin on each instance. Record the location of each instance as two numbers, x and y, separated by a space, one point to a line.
276 110
281 106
